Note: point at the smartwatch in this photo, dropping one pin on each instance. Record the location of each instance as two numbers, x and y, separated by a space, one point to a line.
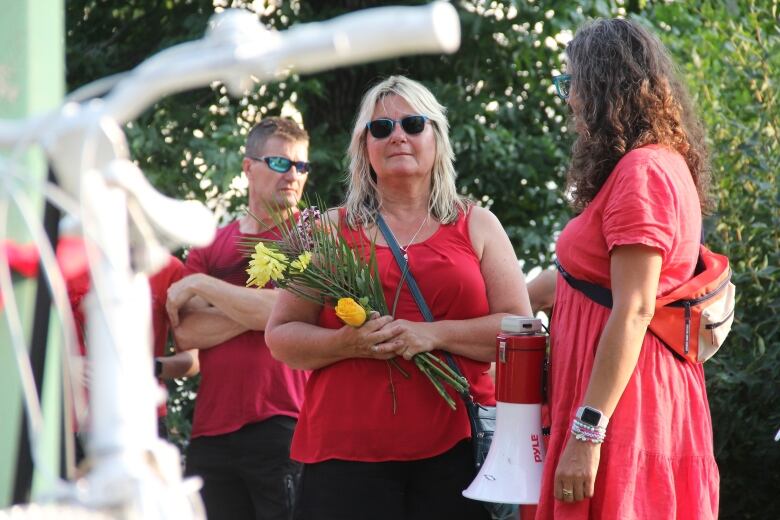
157 367
592 417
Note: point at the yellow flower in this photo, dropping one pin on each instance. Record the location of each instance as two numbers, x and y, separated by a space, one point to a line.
266 264
350 312
302 262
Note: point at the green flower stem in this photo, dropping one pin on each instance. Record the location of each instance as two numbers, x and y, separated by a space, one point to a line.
436 360
327 286
435 382
441 375
455 382
439 361
397 365
322 282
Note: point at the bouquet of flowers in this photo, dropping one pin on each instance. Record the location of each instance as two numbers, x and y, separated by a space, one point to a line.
312 260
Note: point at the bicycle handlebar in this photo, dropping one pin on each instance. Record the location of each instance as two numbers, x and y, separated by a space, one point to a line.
373 34
237 48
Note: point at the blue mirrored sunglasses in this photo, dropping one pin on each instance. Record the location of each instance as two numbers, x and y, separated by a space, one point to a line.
383 127
282 164
562 85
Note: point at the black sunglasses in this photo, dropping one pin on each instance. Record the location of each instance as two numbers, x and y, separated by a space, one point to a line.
383 127
282 164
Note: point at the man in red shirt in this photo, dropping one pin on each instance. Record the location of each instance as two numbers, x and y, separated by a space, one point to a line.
248 403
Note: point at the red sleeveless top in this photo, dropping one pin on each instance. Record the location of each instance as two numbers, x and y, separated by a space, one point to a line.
348 410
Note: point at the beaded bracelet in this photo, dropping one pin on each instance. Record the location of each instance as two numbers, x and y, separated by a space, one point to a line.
582 426
589 427
587 432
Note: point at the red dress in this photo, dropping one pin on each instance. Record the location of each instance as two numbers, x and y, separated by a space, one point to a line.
348 410
657 460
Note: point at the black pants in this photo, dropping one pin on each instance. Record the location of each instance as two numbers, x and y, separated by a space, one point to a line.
427 489
247 474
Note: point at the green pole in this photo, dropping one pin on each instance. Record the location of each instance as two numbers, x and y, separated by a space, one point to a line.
32 40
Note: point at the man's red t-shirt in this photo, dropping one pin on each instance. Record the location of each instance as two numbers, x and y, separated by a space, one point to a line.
241 383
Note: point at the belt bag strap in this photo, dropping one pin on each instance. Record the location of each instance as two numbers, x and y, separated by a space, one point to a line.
603 297
597 293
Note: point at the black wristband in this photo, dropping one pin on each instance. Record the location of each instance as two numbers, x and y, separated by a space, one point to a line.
158 367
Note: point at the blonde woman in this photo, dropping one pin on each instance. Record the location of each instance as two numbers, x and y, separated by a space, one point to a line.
374 444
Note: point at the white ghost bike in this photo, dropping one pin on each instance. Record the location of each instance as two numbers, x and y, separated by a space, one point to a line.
128 228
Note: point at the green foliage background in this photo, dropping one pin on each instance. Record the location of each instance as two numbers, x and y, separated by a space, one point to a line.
512 146
731 55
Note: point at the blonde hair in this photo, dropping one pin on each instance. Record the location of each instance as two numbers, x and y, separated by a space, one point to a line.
362 201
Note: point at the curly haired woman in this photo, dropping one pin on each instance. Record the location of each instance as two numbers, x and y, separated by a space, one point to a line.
631 432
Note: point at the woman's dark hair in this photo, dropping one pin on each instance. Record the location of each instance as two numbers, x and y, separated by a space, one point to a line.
626 94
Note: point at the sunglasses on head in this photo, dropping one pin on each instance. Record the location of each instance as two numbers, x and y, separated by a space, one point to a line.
562 85
383 127
282 164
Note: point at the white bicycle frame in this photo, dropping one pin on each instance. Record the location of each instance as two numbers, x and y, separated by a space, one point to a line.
124 221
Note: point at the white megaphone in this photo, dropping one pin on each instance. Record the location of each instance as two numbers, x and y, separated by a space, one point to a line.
512 472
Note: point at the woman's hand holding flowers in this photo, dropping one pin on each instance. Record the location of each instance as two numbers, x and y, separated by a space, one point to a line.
410 338
360 342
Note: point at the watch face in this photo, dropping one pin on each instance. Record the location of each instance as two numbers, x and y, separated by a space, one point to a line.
590 416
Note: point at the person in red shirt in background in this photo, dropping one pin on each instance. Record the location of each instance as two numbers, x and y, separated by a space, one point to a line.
248 402
180 364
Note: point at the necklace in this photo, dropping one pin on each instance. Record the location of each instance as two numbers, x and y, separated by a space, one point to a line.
404 248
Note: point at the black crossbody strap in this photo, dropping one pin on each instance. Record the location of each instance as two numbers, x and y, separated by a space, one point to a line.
597 293
411 282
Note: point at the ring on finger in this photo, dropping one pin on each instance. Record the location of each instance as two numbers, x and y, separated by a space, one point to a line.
567 493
